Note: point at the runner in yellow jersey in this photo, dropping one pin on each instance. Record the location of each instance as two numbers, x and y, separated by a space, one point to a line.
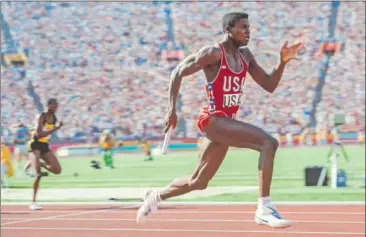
39 147
145 147
107 142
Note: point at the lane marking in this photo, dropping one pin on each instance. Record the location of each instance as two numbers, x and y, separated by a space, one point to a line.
57 216
185 230
183 211
184 220
185 203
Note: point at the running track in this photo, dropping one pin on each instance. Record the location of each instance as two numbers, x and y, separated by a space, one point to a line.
112 220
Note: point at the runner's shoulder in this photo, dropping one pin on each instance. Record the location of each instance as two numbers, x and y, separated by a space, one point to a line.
213 51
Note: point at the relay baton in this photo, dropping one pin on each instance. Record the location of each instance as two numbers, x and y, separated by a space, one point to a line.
168 134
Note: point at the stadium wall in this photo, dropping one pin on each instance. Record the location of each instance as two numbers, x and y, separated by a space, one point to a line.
84 149
192 144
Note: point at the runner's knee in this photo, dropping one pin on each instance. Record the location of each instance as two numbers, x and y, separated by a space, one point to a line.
57 170
274 143
271 144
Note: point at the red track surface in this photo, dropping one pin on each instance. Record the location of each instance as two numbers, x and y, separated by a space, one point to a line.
180 221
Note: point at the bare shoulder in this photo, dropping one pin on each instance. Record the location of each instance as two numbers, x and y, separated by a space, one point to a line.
211 51
247 54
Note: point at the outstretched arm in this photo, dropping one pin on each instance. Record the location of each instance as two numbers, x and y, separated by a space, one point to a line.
269 82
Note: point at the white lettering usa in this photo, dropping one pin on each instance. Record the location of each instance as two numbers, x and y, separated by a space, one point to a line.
231 100
232 84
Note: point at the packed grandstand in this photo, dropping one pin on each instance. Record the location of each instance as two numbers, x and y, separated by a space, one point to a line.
104 62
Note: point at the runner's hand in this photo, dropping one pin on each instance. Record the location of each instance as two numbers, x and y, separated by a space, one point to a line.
59 125
171 120
290 52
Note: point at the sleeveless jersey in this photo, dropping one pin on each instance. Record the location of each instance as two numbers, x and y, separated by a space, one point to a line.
224 92
46 127
107 142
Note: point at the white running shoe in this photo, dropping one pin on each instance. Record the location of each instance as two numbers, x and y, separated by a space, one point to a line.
267 214
35 207
150 205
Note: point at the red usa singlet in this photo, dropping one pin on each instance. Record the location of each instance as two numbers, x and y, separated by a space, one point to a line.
224 92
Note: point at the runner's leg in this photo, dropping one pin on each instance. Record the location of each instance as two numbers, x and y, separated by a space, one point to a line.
211 156
51 163
243 135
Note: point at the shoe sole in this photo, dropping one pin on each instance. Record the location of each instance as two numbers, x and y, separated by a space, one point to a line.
35 209
262 222
141 218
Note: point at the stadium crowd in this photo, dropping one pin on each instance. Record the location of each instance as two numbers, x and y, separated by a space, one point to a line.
103 62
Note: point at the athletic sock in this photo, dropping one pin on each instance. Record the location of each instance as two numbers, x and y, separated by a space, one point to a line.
264 200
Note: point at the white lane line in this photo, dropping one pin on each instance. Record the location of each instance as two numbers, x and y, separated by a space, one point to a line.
185 203
186 230
56 216
185 220
184 211
51 217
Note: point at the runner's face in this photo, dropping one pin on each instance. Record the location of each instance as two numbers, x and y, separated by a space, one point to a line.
53 107
241 32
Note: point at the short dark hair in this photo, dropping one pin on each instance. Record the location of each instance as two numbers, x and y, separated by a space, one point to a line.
52 101
230 18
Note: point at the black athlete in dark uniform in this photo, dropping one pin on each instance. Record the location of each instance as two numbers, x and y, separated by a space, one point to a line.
39 147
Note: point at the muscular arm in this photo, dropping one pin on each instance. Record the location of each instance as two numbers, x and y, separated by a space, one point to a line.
190 65
269 82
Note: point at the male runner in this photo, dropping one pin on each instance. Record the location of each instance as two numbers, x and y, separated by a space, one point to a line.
225 65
